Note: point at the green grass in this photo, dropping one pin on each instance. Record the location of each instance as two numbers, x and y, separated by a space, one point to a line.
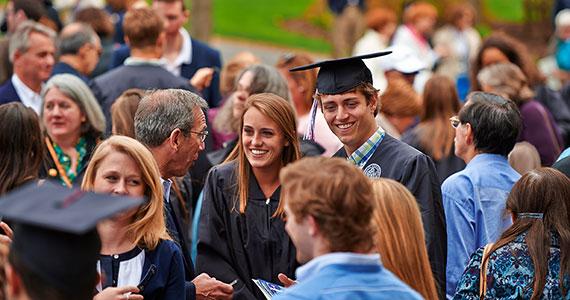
511 11
260 20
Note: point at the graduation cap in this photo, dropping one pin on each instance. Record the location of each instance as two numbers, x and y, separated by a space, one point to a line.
54 234
337 76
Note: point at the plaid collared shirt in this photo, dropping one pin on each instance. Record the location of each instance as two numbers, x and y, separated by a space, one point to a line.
364 152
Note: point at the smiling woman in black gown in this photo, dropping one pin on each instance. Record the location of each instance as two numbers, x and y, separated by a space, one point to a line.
242 232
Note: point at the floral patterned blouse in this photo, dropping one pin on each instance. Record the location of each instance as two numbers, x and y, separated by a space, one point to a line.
510 273
65 160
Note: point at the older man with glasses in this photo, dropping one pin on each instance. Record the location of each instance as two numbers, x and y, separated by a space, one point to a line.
172 125
486 130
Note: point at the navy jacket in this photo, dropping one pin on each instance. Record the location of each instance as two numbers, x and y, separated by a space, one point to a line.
63 68
161 278
202 56
176 231
8 93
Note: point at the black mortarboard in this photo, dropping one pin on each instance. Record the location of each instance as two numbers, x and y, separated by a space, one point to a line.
55 235
337 76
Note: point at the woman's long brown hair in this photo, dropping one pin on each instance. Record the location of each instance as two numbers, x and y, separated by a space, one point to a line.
400 236
281 112
22 147
440 102
546 191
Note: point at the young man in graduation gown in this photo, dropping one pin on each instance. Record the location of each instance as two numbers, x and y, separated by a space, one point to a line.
349 103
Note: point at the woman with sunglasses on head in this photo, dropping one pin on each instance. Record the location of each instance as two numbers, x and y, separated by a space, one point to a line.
242 232
531 258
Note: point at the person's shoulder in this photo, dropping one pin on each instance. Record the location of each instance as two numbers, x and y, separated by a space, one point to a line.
168 247
458 183
209 50
6 85
405 151
111 75
8 92
223 175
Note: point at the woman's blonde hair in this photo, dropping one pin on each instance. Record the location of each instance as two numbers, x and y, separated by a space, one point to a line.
400 236
281 112
148 226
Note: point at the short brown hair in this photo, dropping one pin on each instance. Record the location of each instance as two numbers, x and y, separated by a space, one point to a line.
142 27
337 195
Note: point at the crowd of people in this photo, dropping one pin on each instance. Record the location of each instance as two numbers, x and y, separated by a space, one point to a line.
430 164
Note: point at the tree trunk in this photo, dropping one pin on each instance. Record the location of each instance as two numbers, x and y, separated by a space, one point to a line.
201 19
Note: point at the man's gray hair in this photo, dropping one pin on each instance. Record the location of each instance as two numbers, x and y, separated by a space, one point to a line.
162 111
74 36
80 93
20 40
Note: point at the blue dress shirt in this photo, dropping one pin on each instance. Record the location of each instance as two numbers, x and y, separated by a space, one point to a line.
342 275
474 201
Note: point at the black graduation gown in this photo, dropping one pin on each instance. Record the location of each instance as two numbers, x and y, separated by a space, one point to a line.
396 160
242 246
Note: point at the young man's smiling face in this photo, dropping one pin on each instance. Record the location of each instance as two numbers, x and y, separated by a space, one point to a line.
350 117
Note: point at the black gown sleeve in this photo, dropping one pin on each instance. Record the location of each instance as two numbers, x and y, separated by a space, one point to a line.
215 253
420 177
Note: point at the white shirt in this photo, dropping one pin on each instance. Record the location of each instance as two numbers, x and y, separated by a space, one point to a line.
185 55
28 97
166 184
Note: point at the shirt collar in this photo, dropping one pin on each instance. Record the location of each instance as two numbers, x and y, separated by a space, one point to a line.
484 158
364 152
166 184
136 61
314 266
185 55
28 97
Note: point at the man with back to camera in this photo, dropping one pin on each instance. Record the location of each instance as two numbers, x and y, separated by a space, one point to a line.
329 213
144 69
349 103
486 130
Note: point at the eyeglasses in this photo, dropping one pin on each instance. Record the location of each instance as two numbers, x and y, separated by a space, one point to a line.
202 135
455 122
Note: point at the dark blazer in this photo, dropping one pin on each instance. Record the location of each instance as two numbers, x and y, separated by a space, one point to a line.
175 228
63 68
109 86
202 56
8 93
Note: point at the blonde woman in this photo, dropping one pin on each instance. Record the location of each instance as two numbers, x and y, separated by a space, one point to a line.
242 233
400 236
136 249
